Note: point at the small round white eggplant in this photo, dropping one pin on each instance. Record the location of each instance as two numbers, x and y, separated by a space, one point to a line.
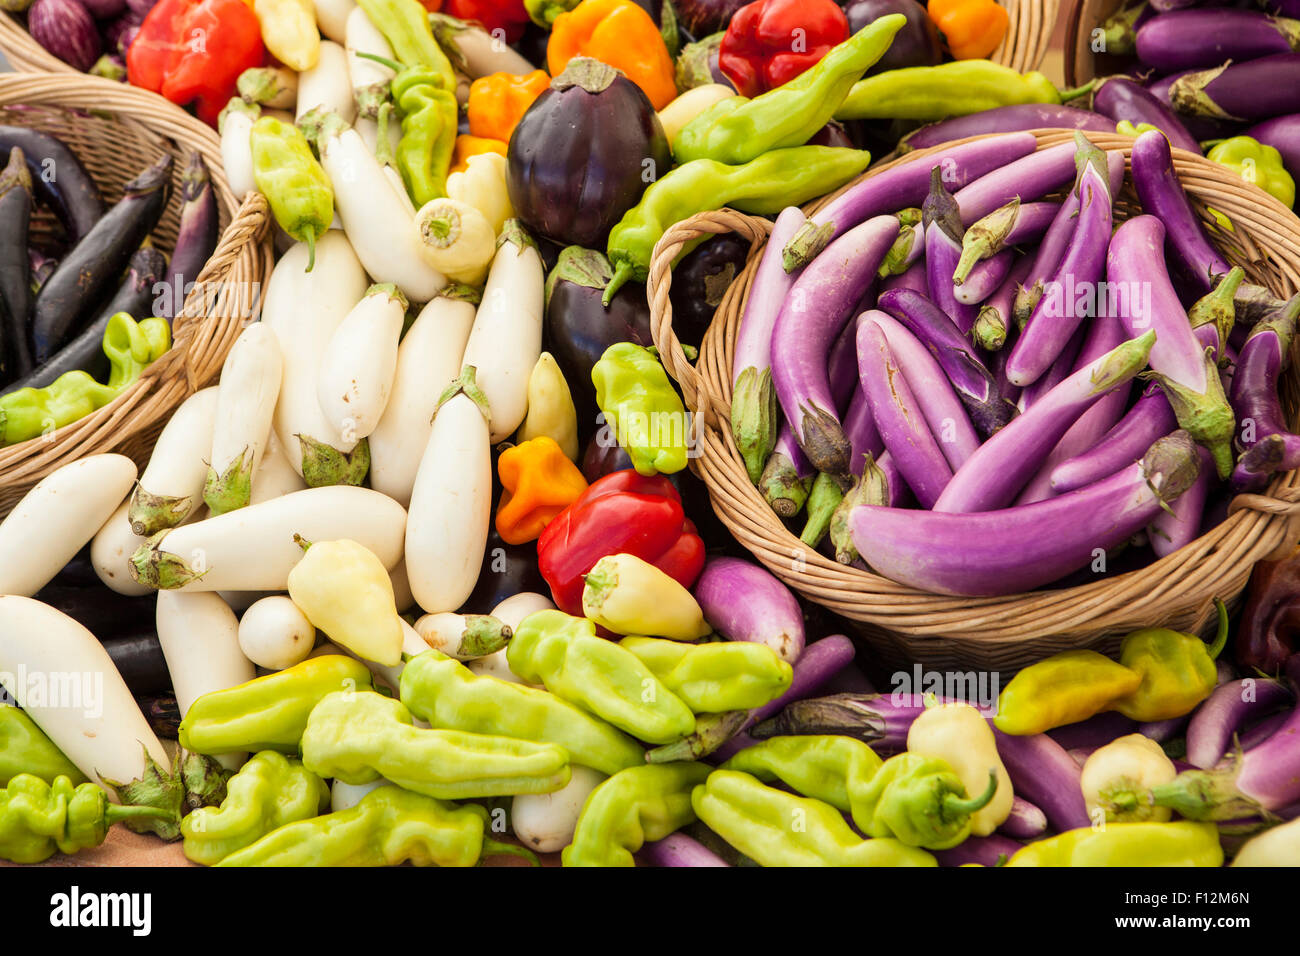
360 360
171 485
545 822
275 634
246 396
511 612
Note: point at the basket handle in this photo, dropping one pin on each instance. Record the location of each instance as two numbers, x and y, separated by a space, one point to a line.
1285 502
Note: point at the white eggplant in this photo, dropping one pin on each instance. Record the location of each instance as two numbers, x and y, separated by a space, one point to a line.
403 599
545 822
236 149
111 550
57 517
275 634
369 79
510 612
465 637
327 84
332 17
246 396
357 367
345 796
171 485
241 601
274 475
506 340
474 51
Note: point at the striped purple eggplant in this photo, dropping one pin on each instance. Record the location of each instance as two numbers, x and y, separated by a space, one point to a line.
1199 39
1148 419
1250 90
943 248
984 278
1010 225
1124 100
1005 119
745 602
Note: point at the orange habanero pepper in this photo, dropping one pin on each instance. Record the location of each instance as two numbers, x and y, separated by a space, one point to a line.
498 100
619 34
971 29
538 482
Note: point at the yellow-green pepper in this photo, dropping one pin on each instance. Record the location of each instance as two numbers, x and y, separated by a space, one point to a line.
819 766
430 115
918 801
641 408
1256 163
24 748
1176 671
632 807
1182 843
295 185
717 676
1062 689
38 818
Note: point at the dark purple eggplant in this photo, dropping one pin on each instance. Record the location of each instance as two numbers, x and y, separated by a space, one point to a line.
1202 127
104 9
66 29
583 153
601 458
1283 134
139 659
41 267
1250 90
697 64
701 279
1006 119
916 44
702 17
1201 39
832 134
992 850
508 569
72 295
140 8
99 609
1122 99
15 268
121 33
58 178
196 238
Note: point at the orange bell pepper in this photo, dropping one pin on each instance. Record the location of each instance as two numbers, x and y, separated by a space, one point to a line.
971 29
498 101
467 146
620 34
538 482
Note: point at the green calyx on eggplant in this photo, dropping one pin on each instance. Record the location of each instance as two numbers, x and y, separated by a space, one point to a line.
697 64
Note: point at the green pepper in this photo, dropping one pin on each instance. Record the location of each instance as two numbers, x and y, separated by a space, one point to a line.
387 827
268 712
130 346
269 791
430 115
957 88
405 25
631 808
763 186
739 129
38 818
447 694
775 828
717 676
641 408
1256 163
1177 670
1181 843
919 801
24 748
564 653
359 737
295 186
816 765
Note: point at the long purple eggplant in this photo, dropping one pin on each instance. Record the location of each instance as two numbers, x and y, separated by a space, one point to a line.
973 383
1251 90
1199 39
1148 419
1201 127
984 279
993 476
842 367
1025 822
678 849
787 475
196 238
1043 773
813 314
753 402
1124 100
906 184
745 602
71 193
1009 225
863 435
880 483
1018 549
913 277
882 720
1005 119
992 850
1232 707
1255 734
1283 134
994 321
1181 524
1028 178
15 269
1095 731
1257 403
943 248
1057 372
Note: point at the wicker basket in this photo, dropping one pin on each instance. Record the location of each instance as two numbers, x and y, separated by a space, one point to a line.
1081 62
117 131
905 625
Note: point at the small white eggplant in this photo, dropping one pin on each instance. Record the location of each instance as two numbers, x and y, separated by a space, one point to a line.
111 550
246 397
236 125
545 822
510 612
465 637
171 485
275 634
360 360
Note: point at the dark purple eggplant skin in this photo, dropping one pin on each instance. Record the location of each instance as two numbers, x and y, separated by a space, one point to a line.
916 44
700 280
1007 119
40 267
196 238
508 569
104 9
74 293
1283 134
1122 99
701 17
119 34
1251 90
101 610
58 179
139 659
603 458
65 29
832 134
583 154
1202 127
15 268
1201 39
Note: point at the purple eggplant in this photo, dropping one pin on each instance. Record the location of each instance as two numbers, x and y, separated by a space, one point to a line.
1057 372
701 279
579 160
916 44
1200 39
941 220
787 476
1163 731
71 194
842 366
993 476
906 184
42 267
1018 549
994 321
1165 6
702 17
104 9
860 427
1257 733
1181 525
1255 399
1230 709
1014 224
992 850
882 720
677 849
138 657
913 277
15 269
1006 119
1096 731
1251 90
1201 127
196 238
1043 773
1283 134
1124 100
813 314
1028 178
1214 315
66 29
1025 822
745 602
985 278
1148 419
507 570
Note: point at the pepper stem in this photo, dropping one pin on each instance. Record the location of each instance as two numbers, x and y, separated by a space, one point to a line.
385 61
956 805
1221 638
1074 93
622 272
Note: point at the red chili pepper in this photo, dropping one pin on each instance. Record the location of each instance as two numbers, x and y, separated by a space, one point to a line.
192 51
770 42
507 15
622 513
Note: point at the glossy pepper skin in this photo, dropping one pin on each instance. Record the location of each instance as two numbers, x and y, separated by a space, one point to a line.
507 16
1266 634
538 482
631 808
467 147
1181 843
1062 689
819 766
268 712
756 820
563 653
621 34
429 124
269 791
622 513
758 52
971 29
24 748
919 801
289 31
959 88
446 694
38 818
642 409
345 590
1177 671
361 737
717 676
1256 163
295 186
498 100
405 25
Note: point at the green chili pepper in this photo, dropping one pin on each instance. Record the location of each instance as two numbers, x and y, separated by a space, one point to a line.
775 828
738 129
1177 670
38 818
359 737
715 677
295 186
269 712
958 88
430 115
446 694
917 800
387 827
24 748
641 407
1181 843
405 25
269 791
130 347
763 186
1256 163
631 808
1126 128
816 765
564 653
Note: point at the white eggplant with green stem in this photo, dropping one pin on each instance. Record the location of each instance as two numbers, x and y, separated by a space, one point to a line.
171 485
236 126
510 612
473 51
327 85
111 550
465 637
332 17
456 239
359 362
451 503
246 398
370 79
274 633
506 340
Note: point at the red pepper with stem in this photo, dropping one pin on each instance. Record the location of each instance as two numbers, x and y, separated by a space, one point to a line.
770 42
622 513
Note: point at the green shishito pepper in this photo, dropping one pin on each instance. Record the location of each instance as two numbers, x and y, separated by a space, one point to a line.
130 347
641 408
295 185
717 676
389 826
739 129
1181 843
405 25
270 791
775 828
1256 163
430 115
24 748
38 818
635 806
763 186
359 737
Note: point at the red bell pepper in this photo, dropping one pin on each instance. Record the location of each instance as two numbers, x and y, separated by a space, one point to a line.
770 42
622 513
192 51
507 15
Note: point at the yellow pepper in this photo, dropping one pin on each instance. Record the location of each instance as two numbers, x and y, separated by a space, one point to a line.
626 595
620 34
498 101
959 734
971 29
1127 844
550 407
538 482
289 31
482 184
1176 671
469 146
1063 689
345 590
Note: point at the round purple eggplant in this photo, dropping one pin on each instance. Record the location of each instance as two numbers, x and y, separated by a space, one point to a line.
700 281
916 44
702 17
67 30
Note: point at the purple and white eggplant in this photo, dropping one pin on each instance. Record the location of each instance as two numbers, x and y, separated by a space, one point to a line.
943 248
745 602
66 29
1148 419
984 279
1010 225
913 277
1227 712
1005 119
1025 822
678 849
1250 90
1043 773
